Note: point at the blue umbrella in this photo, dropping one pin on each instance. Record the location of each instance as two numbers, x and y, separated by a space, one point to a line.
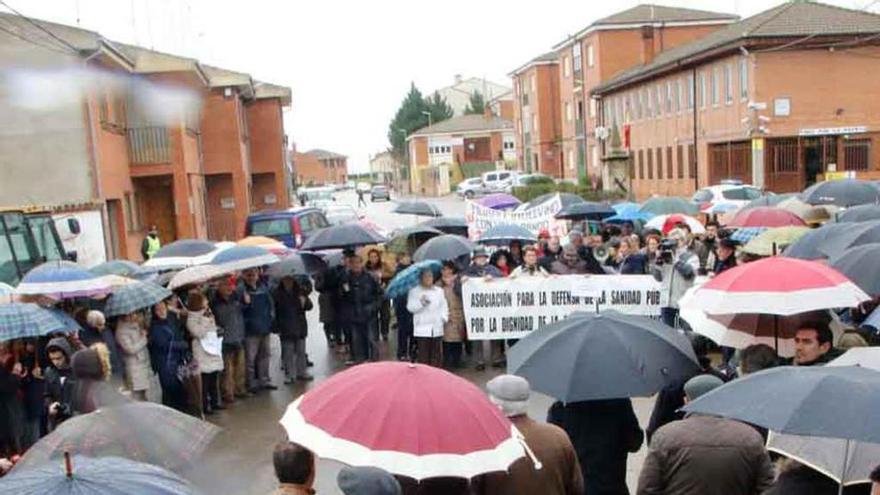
95 476
62 279
126 299
602 356
826 401
861 213
185 248
244 257
123 268
629 212
745 234
24 320
504 234
409 278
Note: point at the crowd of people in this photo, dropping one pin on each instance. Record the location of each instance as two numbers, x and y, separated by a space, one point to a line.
209 346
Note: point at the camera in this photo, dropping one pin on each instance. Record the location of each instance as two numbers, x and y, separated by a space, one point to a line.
666 251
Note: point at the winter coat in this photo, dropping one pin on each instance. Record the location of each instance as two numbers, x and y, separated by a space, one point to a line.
59 382
89 336
259 315
482 271
229 316
560 473
560 267
168 348
677 277
703 455
721 266
201 326
360 303
290 313
11 413
327 283
132 341
546 261
706 252
428 320
634 264
453 328
603 432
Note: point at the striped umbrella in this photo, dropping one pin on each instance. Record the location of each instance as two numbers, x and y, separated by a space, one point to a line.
746 234
6 292
24 320
61 280
244 257
129 298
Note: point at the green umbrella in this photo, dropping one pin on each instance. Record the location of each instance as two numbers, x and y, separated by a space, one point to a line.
661 205
773 241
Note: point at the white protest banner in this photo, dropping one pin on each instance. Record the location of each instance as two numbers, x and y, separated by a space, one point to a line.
511 308
480 218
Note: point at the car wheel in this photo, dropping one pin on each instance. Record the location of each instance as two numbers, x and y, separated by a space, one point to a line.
469 194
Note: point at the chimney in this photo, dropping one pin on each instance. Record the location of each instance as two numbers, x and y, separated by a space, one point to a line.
647 44
458 79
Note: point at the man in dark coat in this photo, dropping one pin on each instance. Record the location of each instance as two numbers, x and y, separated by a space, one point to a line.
703 455
291 303
603 433
552 252
228 309
59 381
361 295
259 316
560 473
570 263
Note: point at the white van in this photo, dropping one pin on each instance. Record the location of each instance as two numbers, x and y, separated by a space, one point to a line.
498 180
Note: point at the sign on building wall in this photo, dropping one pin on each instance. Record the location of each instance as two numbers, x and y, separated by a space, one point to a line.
480 218
829 131
227 203
511 308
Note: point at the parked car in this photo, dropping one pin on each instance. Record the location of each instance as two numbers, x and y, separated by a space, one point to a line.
735 194
292 226
523 180
380 192
341 214
498 180
470 188
319 197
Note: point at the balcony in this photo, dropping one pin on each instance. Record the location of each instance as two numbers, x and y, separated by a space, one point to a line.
149 145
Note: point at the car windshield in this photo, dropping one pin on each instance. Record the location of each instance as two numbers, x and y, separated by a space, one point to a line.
271 227
380 189
741 193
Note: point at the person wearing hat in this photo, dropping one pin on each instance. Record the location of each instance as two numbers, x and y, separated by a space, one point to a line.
151 244
551 466
367 480
705 455
481 268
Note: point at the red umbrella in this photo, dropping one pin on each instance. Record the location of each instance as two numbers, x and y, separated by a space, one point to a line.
765 216
776 286
408 419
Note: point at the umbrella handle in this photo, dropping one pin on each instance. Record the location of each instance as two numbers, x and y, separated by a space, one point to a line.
68 465
532 456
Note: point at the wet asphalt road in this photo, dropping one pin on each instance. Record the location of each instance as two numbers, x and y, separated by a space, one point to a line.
239 462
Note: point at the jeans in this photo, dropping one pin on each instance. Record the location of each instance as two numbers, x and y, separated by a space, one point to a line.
430 351
404 339
669 316
384 318
364 341
452 354
210 390
233 374
257 353
293 356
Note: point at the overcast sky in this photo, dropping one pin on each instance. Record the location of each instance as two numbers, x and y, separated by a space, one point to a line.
349 63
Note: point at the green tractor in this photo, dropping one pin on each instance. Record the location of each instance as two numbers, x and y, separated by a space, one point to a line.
28 239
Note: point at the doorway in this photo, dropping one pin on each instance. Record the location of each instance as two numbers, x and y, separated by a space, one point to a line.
818 153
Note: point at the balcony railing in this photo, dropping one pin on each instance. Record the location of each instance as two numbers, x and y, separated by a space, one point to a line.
149 145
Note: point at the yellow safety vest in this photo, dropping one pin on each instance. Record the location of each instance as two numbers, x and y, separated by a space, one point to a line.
153 246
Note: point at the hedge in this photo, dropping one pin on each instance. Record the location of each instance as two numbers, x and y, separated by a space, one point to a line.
532 191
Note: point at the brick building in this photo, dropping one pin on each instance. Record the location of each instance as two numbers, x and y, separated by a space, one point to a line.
319 167
537 116
603 49
776 100
442 154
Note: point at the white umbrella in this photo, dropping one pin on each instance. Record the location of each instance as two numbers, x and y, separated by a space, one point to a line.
846 462
866 357
196 275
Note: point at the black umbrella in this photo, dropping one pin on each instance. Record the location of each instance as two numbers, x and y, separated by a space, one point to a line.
826 401
504 234
410 238
843 192
769 200
807 247
604 356
300 263
446 247
420 208
586 211
861 264
448 225
860 213
342 236
856 235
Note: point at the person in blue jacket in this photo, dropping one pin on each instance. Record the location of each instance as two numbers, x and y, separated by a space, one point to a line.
168 351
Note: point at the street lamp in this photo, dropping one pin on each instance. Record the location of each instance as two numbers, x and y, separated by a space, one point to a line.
430 118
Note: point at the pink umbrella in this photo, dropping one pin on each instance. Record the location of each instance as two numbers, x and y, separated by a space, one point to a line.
665 223
776 286
766 216
408 419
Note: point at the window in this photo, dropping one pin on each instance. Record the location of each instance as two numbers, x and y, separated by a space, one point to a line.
269 228
668 96
641 164
857 154
590 59
658 103
669 162
640 106
650 164
508 145
679 95
659 152
744 78
133 222
566 66
713 83
679 158
576 56
690 91
580 110
649 107
568 112
703 90
692 166
728 84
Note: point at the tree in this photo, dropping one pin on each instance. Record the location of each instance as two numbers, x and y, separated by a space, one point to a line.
413 115
439 109
477 105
